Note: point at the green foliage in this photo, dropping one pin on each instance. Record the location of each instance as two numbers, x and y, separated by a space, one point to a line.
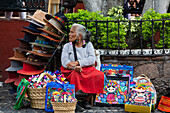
117 13
101 28
157 26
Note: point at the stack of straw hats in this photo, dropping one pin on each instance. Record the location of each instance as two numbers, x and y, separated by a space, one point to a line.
41 38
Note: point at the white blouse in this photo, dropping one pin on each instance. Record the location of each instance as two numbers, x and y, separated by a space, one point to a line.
85 56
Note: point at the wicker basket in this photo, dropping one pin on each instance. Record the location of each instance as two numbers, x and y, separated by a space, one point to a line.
37 97
61 107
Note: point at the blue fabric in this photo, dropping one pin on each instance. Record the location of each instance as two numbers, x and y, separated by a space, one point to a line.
105 79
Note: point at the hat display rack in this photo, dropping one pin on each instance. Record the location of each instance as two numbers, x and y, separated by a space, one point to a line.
38 47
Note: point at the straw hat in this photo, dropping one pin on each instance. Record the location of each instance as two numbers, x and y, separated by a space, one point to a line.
38 16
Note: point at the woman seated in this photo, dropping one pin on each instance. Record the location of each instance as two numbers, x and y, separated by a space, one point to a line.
77 61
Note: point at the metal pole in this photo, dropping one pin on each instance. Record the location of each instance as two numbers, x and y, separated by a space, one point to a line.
96 35
141 38
54 53
152 38
130 53
118 39
107 39
163 37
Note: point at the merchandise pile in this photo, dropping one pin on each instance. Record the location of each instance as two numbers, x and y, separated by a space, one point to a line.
40 40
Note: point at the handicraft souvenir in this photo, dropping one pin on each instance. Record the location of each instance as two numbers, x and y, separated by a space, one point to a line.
139 101
115 90
113 70
59 92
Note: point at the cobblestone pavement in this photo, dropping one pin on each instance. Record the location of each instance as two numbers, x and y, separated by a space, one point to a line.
7 102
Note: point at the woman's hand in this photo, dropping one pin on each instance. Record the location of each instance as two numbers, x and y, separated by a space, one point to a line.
78 68
72 64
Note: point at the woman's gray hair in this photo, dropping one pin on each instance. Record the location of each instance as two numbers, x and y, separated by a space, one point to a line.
80 29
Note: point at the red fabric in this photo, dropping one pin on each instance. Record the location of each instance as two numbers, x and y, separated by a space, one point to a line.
164 104
90 80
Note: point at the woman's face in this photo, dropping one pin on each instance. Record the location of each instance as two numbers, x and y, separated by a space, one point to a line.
72 35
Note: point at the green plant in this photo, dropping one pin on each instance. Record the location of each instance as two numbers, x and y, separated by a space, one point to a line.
116 13
101 28
157 26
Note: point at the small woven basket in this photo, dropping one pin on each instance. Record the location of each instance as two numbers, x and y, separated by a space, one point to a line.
61 107
37 97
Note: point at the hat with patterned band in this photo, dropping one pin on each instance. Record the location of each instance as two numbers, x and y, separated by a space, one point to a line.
35 60
55 24
48 28
38 16
50 32
41 51
60 17
29 69
44 42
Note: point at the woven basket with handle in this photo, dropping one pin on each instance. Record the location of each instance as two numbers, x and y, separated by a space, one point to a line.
37 95
64 107
61 107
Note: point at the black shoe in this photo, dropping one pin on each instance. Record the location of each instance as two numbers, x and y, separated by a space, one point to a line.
79 108
87 105
12 91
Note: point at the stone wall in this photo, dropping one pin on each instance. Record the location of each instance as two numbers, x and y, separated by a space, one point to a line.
156 68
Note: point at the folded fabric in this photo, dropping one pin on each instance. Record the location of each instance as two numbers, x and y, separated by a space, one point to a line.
164 104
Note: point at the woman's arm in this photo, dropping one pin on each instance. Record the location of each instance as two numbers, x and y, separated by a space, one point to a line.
65 56
90 60
65 59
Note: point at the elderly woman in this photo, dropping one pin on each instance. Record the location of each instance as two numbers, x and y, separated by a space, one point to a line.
77 61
